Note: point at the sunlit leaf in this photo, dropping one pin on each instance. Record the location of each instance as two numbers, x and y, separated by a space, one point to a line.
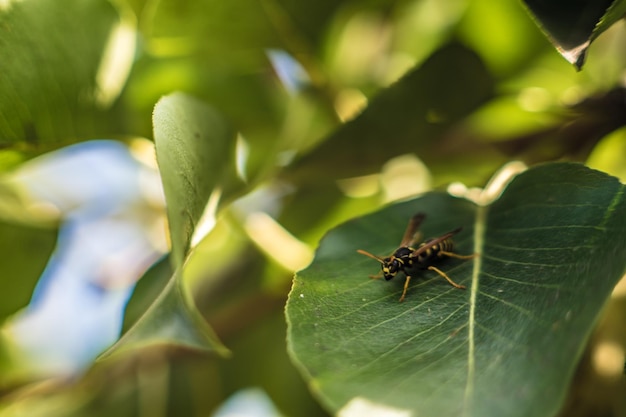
195 152
218 50
405 117
191 23
49 61
551 250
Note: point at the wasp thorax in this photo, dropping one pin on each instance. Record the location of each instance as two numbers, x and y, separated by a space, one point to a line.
402 252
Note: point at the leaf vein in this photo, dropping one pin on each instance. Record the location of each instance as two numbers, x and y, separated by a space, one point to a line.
520 309
399 345
535 248
510 261
531 284
411 378
479 242
555 227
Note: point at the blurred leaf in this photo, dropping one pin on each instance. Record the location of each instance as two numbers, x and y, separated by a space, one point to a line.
573 25
576 135
216 49
410 114
551 250
49 59
196 154
319 198
118 388
418 33
171 320
503 35
147 289
268 367
25 253
610 154
214 26
310 18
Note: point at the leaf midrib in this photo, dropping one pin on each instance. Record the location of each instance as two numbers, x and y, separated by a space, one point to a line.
479 241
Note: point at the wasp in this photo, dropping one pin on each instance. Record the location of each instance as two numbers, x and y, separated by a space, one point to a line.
411 257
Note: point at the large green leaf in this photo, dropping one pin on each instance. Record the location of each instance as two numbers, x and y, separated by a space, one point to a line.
50 56
551 250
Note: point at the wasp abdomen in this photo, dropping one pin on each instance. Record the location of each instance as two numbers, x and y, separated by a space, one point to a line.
434 251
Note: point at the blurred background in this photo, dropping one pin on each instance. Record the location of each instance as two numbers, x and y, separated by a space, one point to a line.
84 236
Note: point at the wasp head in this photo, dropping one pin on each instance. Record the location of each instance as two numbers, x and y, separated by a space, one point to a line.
396 262
390 267
393 264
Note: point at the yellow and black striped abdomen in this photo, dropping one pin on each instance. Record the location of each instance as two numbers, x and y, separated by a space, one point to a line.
433 252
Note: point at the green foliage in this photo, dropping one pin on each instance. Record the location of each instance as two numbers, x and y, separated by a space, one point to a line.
171 319
189 138
49 59
411 113
550 252
396 98
195 151
25 253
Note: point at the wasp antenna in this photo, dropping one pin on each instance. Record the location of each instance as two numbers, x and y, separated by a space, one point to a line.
369 255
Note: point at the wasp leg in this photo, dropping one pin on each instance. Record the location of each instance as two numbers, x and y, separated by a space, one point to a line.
377 276
457 256
443 275
406 286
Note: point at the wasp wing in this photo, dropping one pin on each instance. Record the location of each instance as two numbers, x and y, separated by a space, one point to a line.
410 235
433 242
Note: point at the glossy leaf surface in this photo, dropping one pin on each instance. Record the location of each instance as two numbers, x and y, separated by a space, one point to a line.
551 250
